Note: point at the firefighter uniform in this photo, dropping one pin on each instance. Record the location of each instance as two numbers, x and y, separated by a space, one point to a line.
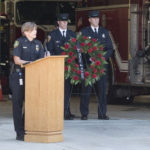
55 41
29 51
102 35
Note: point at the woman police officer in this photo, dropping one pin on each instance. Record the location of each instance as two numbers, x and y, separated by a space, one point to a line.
26 49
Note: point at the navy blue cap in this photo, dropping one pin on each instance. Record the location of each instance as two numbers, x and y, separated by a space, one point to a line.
93 13
63 17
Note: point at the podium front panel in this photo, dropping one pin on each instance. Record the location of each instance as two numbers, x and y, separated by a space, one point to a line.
44 95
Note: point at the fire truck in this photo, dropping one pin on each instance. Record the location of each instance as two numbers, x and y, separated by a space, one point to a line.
129 24
43 13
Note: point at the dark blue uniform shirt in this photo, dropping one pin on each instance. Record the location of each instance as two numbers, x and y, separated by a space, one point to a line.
28 50
57 40
102 36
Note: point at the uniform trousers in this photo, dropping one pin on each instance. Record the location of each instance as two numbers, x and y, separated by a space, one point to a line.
67 95
17 103
101 94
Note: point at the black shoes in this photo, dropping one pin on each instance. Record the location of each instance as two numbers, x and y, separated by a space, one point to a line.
103 117
72 115
84 117
69 117
20 137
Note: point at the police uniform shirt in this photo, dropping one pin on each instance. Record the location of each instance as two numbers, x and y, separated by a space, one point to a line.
28 50
56 40
102 36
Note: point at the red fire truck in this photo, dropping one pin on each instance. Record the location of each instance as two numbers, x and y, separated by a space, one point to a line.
129 24
43 13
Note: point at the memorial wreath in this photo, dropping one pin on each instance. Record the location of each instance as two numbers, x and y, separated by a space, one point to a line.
88 47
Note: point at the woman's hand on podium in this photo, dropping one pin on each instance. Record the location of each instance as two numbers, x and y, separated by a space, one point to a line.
47 53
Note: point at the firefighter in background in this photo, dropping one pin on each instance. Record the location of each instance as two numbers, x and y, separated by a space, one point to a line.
26 49
56 39
102 35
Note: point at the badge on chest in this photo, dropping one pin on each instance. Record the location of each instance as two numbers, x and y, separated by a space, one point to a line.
57 42
37 48
103 36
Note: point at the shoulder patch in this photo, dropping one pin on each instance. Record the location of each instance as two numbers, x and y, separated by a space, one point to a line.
48 38
16 44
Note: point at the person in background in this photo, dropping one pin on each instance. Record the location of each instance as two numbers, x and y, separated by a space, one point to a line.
102 35
26 49
56 39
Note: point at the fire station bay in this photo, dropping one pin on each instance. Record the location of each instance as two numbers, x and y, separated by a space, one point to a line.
75 74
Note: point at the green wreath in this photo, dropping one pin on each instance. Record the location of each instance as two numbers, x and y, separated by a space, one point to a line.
94 70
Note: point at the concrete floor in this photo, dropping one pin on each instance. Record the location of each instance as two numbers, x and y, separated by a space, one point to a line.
128 129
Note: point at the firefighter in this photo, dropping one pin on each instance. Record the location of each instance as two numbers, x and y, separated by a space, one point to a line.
26 49
102 35
56 39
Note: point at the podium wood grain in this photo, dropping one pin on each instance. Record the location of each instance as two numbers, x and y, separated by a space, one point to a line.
44 100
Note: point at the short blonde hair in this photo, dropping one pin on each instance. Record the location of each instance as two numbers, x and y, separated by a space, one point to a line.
28 26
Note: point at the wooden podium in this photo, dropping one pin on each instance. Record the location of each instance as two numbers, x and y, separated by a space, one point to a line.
44 100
